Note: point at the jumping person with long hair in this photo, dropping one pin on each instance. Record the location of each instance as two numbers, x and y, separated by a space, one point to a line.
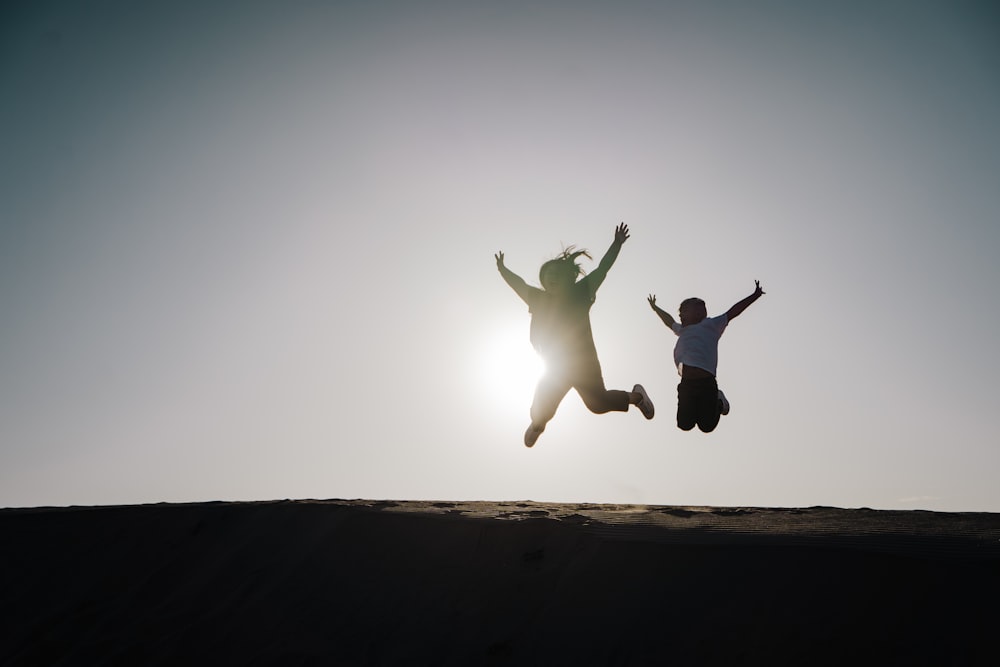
561 333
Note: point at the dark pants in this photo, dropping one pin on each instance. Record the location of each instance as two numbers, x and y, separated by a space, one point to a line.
698 404
590 386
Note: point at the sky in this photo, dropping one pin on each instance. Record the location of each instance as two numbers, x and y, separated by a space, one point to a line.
247 248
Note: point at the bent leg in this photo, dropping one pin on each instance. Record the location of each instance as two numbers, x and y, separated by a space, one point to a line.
687 415
698 404
589 384
600 400
709 418
709 407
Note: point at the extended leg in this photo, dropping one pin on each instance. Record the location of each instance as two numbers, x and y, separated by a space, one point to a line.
548 394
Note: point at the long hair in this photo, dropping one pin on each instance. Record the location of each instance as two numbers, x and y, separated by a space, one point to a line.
564 261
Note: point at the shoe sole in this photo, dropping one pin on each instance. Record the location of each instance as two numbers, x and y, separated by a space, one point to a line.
645 400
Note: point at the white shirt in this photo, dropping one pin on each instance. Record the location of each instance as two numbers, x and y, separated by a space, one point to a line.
698 344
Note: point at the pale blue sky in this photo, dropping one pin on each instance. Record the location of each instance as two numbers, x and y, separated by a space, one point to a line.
246 248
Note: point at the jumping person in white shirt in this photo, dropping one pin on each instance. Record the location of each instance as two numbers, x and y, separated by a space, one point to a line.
700 402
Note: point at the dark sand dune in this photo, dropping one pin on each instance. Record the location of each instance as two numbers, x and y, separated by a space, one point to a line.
472 583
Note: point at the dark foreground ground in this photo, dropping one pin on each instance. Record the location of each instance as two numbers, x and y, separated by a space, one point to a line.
417 583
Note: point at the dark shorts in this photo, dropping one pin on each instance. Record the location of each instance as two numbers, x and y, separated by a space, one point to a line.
698 404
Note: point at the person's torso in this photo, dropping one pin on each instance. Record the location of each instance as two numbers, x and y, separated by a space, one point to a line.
698 344
561 324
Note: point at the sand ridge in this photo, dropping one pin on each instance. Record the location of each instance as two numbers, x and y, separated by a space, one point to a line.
383 582
918 533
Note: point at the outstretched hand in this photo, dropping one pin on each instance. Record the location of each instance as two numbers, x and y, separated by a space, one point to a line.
652 301
499 258
621 233
742 305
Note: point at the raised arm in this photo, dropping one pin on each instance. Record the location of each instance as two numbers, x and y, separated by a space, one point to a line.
597 276
523 289
664 315
740 306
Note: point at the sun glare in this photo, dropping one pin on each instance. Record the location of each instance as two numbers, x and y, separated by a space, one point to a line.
510 368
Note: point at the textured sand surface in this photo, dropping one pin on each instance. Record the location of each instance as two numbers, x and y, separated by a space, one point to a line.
468 583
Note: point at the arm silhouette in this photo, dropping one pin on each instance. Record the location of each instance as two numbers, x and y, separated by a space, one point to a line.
597 276
664 315
516 282
742 305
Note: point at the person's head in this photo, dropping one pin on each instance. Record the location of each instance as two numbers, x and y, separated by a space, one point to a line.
559 273
692 311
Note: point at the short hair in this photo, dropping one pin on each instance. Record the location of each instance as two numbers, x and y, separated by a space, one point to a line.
690 302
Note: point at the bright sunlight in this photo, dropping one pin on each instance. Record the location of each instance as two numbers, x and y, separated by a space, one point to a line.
510 368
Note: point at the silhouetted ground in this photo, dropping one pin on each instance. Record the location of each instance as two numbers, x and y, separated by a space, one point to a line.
474 583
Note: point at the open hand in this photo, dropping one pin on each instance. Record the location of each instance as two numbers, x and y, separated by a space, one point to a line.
621 233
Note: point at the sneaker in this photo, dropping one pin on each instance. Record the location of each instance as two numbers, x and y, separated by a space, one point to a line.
644 404
723 404
531 435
